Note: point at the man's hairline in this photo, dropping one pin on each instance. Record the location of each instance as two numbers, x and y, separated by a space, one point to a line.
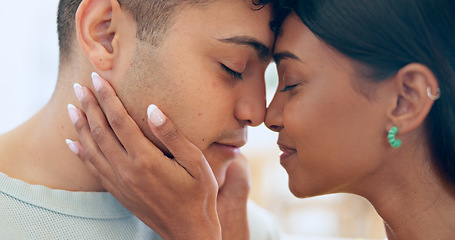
67 56
172 21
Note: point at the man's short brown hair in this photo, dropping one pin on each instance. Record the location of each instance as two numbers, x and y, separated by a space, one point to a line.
152 18
149 14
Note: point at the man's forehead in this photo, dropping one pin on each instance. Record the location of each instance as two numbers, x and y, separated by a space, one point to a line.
236 22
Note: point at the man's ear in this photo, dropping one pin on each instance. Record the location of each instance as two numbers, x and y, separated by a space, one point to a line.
412 102
98 26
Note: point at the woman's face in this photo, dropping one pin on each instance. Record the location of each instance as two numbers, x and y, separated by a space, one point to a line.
331 134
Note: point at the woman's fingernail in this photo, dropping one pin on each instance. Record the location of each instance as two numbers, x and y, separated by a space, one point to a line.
156 116
74 115
97 81
72 146
79 91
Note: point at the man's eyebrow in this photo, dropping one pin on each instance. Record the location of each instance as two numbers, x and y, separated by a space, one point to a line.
261 49
277 57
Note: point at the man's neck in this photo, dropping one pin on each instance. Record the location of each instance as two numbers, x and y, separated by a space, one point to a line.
36 151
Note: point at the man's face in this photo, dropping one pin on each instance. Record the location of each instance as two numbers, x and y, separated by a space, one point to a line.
191 77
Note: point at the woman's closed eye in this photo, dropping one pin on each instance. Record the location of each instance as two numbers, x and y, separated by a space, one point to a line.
289 87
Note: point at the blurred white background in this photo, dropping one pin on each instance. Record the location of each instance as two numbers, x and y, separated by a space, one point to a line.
28 58
28 67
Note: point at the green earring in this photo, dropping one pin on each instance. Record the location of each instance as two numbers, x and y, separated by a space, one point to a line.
395 143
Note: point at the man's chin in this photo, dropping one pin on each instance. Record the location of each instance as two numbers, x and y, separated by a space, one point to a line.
220 178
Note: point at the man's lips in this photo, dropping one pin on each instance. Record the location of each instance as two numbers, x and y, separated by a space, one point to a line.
230 150
236 144
229 143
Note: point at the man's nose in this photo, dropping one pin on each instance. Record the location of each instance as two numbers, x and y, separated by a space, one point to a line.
251 106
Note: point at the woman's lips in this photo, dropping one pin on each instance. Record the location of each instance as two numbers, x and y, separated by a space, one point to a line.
285 155
287 152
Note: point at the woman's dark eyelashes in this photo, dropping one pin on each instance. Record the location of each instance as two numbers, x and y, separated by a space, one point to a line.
234 74
287 88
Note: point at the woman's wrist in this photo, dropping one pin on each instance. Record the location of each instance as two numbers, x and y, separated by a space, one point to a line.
203 230
234 222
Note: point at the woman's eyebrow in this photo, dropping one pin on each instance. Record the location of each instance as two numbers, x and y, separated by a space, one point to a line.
277 57
261 49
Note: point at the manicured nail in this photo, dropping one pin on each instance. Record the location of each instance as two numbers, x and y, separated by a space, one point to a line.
74 115
97 81
155 115
79 91
72 146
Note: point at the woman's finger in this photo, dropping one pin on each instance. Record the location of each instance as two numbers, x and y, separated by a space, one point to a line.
125 128
102 133
106 182
185 153
86 148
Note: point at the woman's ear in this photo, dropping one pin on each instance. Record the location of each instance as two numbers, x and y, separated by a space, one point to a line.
413 103
99 24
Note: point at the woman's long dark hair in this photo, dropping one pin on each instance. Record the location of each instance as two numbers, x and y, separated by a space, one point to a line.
386 35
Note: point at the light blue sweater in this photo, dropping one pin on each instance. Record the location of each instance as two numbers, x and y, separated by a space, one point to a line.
36 212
